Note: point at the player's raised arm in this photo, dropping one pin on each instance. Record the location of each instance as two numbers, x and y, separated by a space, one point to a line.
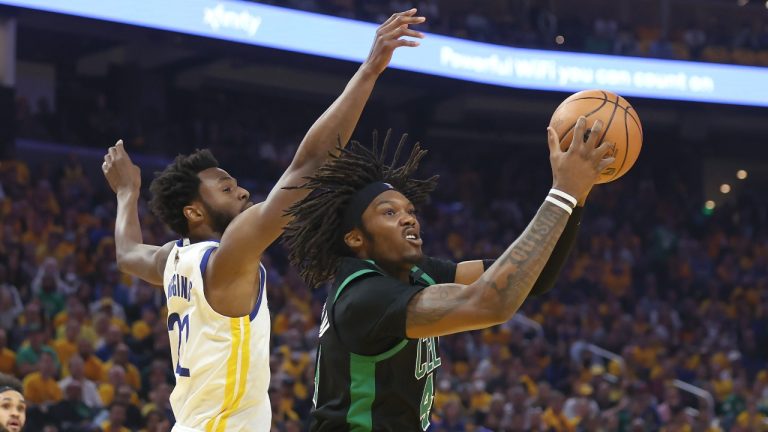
256 228
133 256
499 292
467 272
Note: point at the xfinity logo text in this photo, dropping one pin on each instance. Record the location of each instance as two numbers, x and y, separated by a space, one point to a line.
220 17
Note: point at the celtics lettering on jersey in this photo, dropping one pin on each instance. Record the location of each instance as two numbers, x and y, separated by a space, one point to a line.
427 360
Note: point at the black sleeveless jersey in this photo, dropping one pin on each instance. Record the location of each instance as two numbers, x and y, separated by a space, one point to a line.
368 375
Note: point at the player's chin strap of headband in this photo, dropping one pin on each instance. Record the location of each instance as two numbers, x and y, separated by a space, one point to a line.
4 389
359 202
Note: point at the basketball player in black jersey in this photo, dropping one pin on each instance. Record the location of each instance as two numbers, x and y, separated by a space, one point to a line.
388 303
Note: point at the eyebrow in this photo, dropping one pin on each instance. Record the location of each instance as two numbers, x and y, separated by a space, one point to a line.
224 178
9 399
390 202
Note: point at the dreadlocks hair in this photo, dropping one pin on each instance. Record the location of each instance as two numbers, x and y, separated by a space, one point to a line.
314 236
11 382
178 185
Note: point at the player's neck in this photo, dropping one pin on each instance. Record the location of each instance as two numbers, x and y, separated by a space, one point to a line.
202 234
395 270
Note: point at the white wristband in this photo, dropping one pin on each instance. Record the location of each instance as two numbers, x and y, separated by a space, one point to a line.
564 195
560 204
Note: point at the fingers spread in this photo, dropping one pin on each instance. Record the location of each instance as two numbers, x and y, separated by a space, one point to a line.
605 163
603 150
594 134
403 31
405 42
577 144
400 20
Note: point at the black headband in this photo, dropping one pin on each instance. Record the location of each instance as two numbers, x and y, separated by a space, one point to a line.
4 389
359 202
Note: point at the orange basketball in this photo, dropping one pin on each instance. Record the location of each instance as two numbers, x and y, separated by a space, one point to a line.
621 126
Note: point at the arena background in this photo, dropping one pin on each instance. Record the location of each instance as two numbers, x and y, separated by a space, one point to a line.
658 322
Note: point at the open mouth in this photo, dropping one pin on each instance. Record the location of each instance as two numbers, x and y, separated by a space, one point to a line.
412 236
14 425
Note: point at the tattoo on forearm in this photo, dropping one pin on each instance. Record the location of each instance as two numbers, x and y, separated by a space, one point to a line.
509 280
518 268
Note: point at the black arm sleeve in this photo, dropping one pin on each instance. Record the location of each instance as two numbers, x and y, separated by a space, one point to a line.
554 265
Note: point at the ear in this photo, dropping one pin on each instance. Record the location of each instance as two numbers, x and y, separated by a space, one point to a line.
354 239
194 213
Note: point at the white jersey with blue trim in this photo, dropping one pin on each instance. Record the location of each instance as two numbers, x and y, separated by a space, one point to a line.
221 363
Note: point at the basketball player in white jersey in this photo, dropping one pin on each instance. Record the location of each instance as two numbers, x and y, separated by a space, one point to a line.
218 320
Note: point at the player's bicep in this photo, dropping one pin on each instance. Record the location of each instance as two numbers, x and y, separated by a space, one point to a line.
146 262
445 309
160 258
467 272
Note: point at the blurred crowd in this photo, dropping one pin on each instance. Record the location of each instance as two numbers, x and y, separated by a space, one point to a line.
658 321
540 24
672 295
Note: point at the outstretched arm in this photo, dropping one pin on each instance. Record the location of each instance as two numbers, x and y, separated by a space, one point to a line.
255 229
449 308
468 272
133 256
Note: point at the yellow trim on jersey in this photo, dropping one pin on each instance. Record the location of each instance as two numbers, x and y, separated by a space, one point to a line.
218 423
245 355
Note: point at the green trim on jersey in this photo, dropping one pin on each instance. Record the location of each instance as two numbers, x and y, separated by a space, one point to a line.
349 279
362 387
424 276
362 390
362 369
383 356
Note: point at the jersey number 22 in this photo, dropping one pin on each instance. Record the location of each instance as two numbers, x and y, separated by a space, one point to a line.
183 325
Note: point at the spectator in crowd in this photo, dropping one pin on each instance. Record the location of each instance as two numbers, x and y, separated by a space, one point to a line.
90 393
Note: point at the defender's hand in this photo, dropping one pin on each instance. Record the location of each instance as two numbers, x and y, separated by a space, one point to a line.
122 175
389 38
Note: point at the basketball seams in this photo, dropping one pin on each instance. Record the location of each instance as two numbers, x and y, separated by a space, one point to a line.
625 108
598 110
608 126
626 149
605 99
634 119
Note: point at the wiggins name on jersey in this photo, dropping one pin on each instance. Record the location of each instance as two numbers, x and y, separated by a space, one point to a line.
221 363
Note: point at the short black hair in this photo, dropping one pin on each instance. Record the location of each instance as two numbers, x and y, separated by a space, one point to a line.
314 235
12 382
178 185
